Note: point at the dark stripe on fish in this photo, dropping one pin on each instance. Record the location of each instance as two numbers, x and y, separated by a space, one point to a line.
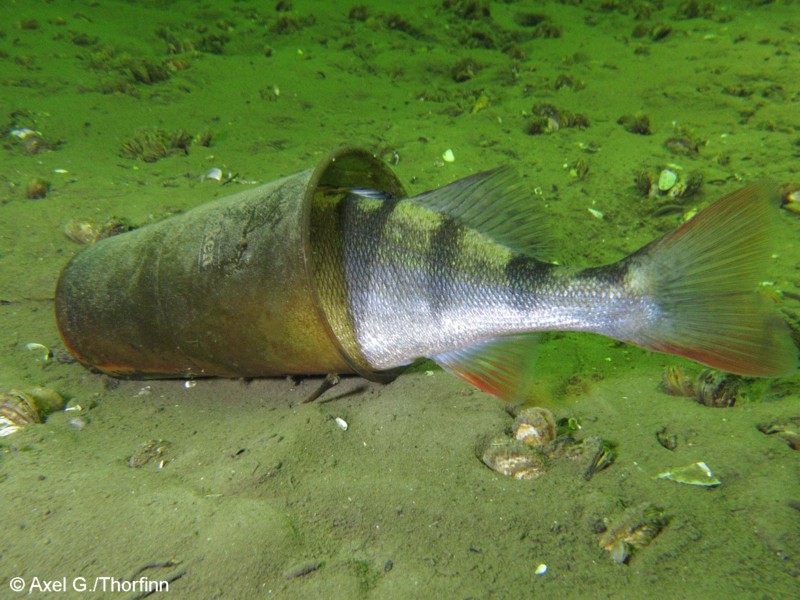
524 275
360 215
444 254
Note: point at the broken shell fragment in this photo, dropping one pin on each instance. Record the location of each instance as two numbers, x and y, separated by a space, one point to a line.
695 474
790 196
535 426
512 458
47 354
667 179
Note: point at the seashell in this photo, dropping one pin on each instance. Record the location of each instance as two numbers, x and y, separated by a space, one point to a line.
790 196
512 458
80 407
47 400
678 190
645 182
676 382
719 390
666 439
788 430
592 453
636 528
682 145
147 452
667 179
81 232
84 232
535 426
176 63
78 422
36 188
17 409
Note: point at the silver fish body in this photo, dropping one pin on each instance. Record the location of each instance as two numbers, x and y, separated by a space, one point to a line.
429 285
430 276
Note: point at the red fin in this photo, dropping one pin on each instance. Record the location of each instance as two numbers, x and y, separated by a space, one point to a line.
499 366
704 276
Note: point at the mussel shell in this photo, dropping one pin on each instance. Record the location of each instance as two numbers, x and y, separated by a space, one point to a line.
535 426
676 382
17 409
635 528
719 390
511 458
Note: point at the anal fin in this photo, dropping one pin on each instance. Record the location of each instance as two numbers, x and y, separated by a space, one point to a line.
500 366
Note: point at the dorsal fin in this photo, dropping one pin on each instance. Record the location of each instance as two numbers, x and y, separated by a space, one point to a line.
497 204
500 366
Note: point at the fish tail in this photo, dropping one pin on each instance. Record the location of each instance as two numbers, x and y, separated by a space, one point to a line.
703 278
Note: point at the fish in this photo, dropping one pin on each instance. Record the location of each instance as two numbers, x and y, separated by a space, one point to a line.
459 275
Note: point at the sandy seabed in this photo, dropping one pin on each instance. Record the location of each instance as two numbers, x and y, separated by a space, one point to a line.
256 493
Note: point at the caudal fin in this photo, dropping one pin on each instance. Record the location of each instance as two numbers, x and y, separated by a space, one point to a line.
703 277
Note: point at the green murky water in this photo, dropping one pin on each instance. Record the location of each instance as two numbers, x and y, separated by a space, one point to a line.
259 494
